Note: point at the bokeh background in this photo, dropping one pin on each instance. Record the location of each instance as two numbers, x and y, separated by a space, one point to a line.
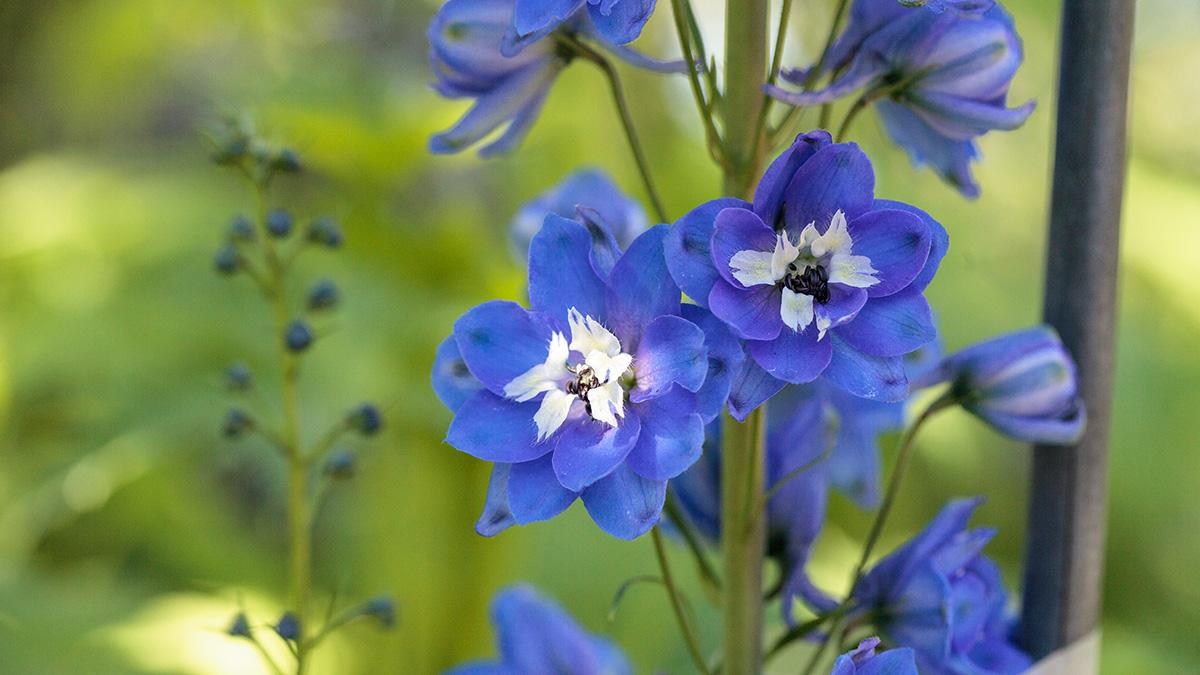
130 531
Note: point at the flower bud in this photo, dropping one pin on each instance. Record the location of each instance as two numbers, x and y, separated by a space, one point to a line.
238 377
279 223
226 260
381 608
237 422
240 627
1022 384
341 465
323 295
325 232
366 419
232 150
285 161
241 229
298 336
288 627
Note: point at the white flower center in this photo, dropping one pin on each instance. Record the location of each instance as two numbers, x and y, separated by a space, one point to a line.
804 270
592 376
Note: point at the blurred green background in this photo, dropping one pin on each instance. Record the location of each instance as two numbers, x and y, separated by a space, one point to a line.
129 529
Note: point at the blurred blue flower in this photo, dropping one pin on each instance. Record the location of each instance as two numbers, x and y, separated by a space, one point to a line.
1023 384
535 635
607 414
939 595
862 660
616 21
590 197
477 52
941 77
816 275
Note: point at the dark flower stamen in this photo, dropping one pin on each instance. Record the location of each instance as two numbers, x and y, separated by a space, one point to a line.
814 281
585 381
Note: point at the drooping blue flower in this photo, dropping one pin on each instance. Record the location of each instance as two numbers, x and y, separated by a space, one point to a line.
475 54
941 74
862 660
590 197
535 635
939 595
601 391
616 21
1023 384
816 275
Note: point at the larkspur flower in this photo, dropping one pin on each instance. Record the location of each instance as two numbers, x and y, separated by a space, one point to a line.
1023 384
535 635
476 53
862 660
590 197
816 275
941 75
616 21
939 595
598 393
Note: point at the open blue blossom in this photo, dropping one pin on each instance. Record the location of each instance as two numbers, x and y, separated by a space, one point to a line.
862 660
475 53
590 197
1022 384
939 595
535 635
816 275
941 76
598 392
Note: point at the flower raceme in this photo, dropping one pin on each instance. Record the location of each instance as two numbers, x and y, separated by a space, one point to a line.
940 74
816 275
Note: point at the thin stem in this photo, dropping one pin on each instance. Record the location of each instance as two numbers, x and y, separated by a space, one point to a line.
797 632
711 135
618 95
794 473
692 539
815 74
859 106
685 627
776 65
266 656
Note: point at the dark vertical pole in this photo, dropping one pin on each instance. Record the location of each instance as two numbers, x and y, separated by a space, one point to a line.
1064 560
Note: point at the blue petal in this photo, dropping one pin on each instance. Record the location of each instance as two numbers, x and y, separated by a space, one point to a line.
518 128
725 356
1065 429
873 377
892 574
837 178
794 357
769 195
950 158
672 436
640 60
999 657
698 490
897 242
963 118
496 516
560 271
892 662
591 197
919 617
534 493
891 326
939 241
495 429
738 230
688 250
640 288
672 352
479 668
752 313
519 92
587 450
622 22
752 387
534 15
624 504
535 635
452 380
499 341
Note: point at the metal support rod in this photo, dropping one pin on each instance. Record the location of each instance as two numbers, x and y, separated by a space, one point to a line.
1064 557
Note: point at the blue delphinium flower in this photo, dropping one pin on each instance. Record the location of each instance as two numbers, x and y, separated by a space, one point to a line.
939 595
941 75
535 635
616 21
862 660
1022 384
816 275
476 54
597 392
590 197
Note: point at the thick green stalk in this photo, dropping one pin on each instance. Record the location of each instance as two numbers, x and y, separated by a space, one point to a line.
746 39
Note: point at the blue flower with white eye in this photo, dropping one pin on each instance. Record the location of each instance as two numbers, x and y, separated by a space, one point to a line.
816 275
862 660
590 197
941 75
601 391
475 54
535 635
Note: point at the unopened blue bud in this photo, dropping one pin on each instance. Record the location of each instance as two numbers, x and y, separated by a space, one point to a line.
288 627
381 608
341 465
279 223
323 295
240 627
226 261
366 419
326 232
298 336
231 151
286 161
238 377
237 422
241 229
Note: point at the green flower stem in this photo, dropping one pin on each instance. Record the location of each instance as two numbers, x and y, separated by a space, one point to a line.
704 567
681 12
685 627
814 75
266 656
743 542
746 28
